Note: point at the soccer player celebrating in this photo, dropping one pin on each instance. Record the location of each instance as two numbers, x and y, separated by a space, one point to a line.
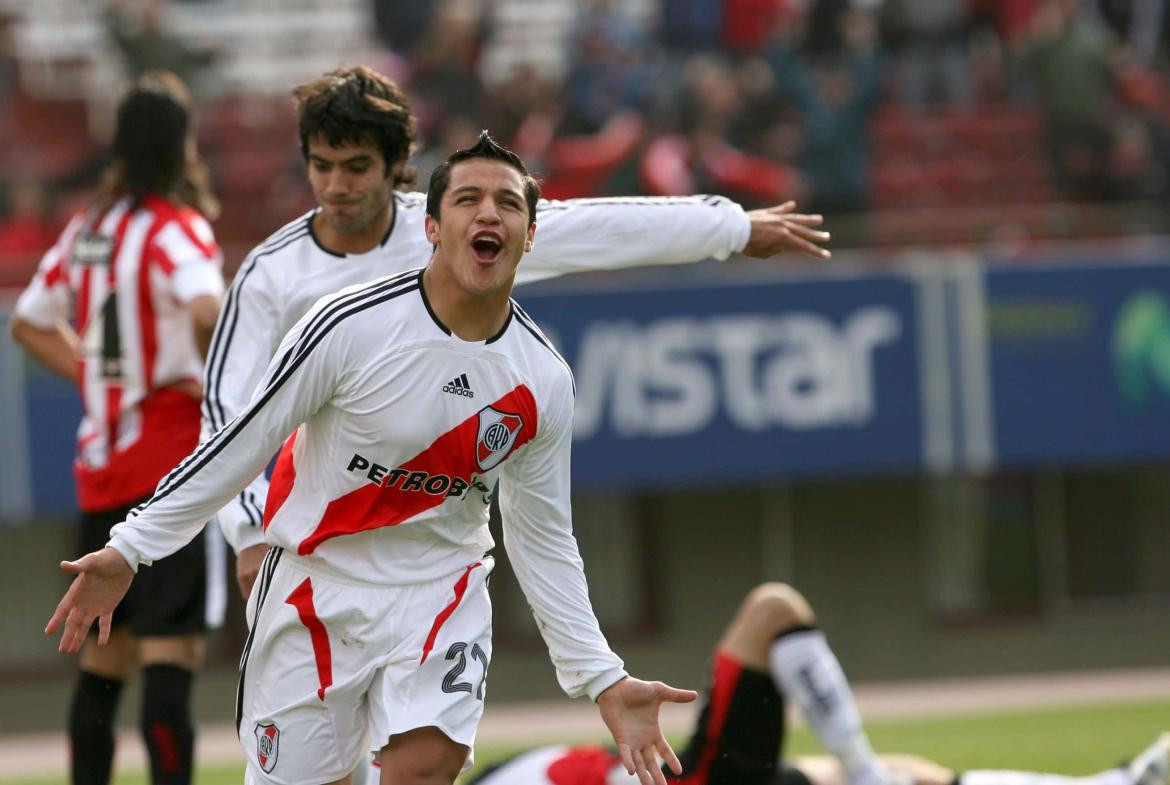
356 134
771 650
371 612
140 273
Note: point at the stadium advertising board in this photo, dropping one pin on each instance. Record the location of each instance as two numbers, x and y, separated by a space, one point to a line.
737 382
1079 360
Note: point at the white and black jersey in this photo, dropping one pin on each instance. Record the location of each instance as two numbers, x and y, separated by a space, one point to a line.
282 278
389 473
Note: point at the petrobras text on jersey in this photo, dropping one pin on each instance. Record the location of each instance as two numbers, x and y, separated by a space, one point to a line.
672 376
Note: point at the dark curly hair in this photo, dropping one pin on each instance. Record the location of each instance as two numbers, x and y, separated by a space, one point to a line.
358 105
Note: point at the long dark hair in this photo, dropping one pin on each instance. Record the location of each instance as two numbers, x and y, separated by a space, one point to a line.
154 149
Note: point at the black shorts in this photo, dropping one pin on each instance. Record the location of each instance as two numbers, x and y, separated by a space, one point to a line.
166 598
740 732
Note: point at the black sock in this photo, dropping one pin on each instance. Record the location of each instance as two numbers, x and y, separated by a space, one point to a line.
91 728
166 723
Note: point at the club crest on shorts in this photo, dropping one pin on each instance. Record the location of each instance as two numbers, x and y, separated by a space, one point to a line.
267 745
497 433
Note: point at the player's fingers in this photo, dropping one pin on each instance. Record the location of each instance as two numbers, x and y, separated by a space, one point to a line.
786 207
73 567
653 767
68 633
798 243
59 615
803 219
666 752
810 233
104 628
640 769
627 758
674 694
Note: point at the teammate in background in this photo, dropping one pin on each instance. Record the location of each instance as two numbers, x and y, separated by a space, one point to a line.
372 611
356 134
139 274
771 650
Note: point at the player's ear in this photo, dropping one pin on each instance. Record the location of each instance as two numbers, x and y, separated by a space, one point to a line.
531 236
432 229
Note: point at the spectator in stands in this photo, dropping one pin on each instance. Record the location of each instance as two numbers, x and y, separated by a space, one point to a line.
444 82
137 28
689 26
700 158
1067 62
608 73
835 98
929 38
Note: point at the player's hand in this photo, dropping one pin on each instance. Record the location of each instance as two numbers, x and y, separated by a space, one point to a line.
248 563
630 711
779 229
103 577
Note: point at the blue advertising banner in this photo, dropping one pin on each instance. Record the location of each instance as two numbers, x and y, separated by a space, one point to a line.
737 382
1079 362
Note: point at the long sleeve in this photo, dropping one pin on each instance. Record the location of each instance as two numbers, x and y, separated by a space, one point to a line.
246 337
538 535
301 378
579 235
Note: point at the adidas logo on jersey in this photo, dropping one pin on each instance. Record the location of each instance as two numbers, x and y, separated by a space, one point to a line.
459 386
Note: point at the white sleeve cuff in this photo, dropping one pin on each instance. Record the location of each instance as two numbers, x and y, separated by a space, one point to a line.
245 537
743 230
132 556
603 682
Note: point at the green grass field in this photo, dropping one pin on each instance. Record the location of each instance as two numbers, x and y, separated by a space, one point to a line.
1064 741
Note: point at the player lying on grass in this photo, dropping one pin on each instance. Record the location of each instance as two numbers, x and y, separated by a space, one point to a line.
771 651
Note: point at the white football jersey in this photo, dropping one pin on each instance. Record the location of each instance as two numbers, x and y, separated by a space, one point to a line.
282 278
402 430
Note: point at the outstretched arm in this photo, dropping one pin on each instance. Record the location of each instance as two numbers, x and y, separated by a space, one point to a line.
630 710
583 235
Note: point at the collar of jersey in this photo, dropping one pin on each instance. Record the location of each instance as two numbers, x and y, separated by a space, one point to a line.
338 254
422 292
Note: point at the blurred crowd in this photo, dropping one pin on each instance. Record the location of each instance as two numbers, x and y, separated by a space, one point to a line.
850 106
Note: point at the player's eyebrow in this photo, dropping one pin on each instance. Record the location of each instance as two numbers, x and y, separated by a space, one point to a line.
360 158
475 189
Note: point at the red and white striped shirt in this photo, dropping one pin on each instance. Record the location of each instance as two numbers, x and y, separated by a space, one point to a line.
125 273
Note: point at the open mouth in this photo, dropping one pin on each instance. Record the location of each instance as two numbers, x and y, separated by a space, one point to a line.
486 248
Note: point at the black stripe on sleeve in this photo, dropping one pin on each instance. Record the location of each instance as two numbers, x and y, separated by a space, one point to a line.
226 328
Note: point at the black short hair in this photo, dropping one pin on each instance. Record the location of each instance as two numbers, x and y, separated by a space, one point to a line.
358 105
484 147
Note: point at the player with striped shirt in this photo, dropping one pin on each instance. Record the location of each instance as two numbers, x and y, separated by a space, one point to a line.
139 274
371 612
356 134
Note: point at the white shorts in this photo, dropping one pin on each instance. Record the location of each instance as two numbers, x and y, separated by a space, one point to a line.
329 658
